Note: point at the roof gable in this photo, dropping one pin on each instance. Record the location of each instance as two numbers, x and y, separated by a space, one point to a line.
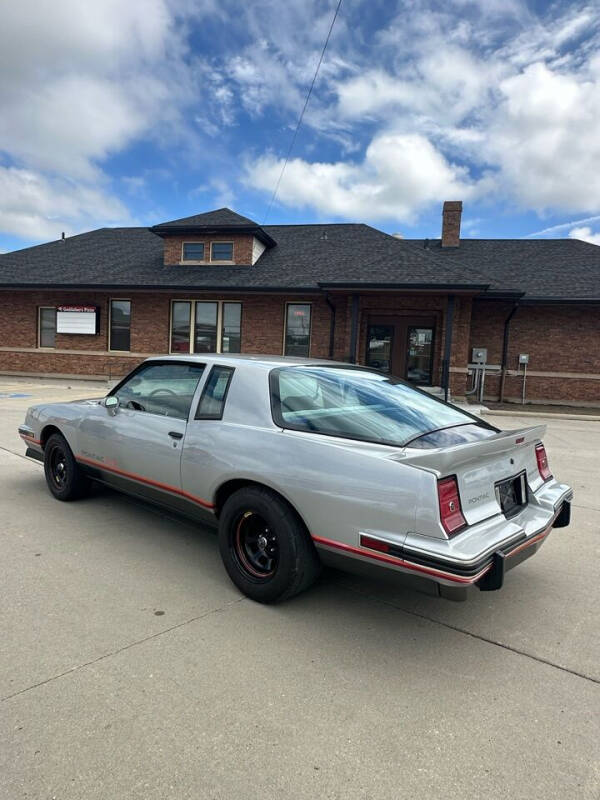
220 217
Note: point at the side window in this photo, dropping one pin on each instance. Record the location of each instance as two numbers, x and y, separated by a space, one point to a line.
214 394
165 389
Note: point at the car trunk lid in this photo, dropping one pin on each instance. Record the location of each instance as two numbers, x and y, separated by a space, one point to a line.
492 474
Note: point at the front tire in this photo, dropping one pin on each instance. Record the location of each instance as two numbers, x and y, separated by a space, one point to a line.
64 476
265 548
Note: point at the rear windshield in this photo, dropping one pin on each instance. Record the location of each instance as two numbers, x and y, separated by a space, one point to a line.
358 404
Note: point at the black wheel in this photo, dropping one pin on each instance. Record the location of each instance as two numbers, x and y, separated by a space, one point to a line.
266 549
64 476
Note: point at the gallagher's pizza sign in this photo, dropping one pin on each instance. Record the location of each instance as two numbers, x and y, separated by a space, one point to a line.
78 319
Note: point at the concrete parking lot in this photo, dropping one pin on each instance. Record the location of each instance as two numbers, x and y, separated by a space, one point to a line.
132 668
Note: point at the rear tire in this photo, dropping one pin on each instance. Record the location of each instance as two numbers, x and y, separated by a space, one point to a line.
265 548
65 478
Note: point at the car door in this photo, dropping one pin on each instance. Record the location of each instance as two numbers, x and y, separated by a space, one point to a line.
137 446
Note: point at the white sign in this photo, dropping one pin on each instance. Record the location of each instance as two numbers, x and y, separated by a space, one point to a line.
76 319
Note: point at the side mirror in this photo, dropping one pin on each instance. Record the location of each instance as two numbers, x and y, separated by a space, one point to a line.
111 403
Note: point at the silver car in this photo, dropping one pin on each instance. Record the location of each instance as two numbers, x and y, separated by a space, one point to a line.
302 463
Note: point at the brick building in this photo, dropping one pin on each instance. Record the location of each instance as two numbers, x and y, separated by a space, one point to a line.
97 303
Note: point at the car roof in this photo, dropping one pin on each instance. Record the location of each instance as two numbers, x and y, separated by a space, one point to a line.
247 360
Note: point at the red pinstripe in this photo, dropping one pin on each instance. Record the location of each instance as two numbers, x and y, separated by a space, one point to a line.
27 438
399 562
149 481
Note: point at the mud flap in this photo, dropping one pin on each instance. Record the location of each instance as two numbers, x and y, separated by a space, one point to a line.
494 578
564 516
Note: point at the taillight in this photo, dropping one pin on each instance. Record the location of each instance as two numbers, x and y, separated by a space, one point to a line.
450 511
542 462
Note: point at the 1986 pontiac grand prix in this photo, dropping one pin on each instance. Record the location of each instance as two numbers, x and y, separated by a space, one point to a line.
302 463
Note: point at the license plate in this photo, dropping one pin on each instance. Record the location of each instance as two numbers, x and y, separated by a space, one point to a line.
512 494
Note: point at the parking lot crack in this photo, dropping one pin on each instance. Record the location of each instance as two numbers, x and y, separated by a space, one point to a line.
478 636
126 647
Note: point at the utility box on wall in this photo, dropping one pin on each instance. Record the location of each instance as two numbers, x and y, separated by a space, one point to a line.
479 355
523 358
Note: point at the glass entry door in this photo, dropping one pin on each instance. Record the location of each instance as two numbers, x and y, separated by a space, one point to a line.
419 356
402 346
379 347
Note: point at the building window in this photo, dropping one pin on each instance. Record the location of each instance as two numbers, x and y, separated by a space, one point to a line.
120 325
221 251
47 327
192 251
205 330
181 316
297 330
199 326
231 329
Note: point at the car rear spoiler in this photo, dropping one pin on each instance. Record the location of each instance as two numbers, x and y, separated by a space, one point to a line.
445 460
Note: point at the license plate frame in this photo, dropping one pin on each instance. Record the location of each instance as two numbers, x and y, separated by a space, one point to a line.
511 494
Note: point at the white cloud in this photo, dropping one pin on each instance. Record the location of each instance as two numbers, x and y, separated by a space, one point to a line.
585 234
544 139
80 82
400 175
514 96
563 226
36 207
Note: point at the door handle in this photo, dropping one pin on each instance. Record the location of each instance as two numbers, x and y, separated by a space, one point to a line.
175 435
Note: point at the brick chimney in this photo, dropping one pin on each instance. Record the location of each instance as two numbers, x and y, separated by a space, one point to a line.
451 223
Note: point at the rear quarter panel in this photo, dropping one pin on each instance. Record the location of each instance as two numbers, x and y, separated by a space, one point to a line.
337 490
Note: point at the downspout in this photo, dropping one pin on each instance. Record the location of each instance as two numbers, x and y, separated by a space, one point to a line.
505 350
331 324
353 329
448 346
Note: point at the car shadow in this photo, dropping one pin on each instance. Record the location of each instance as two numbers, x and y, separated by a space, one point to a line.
527 615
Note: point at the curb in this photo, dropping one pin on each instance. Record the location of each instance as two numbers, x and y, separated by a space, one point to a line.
543 415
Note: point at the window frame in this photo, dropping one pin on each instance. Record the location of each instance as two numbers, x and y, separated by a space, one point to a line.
230 370
193 260
39 328
110 302
222 260
193 322
289 303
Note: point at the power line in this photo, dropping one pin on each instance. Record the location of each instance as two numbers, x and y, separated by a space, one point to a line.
300 118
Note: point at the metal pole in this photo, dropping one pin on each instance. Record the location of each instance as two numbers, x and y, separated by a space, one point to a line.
505 350
331 325
482 383
448 346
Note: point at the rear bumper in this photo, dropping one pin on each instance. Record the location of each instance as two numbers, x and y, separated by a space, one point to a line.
480 556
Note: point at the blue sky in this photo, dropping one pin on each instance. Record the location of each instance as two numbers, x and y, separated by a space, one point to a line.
134 113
